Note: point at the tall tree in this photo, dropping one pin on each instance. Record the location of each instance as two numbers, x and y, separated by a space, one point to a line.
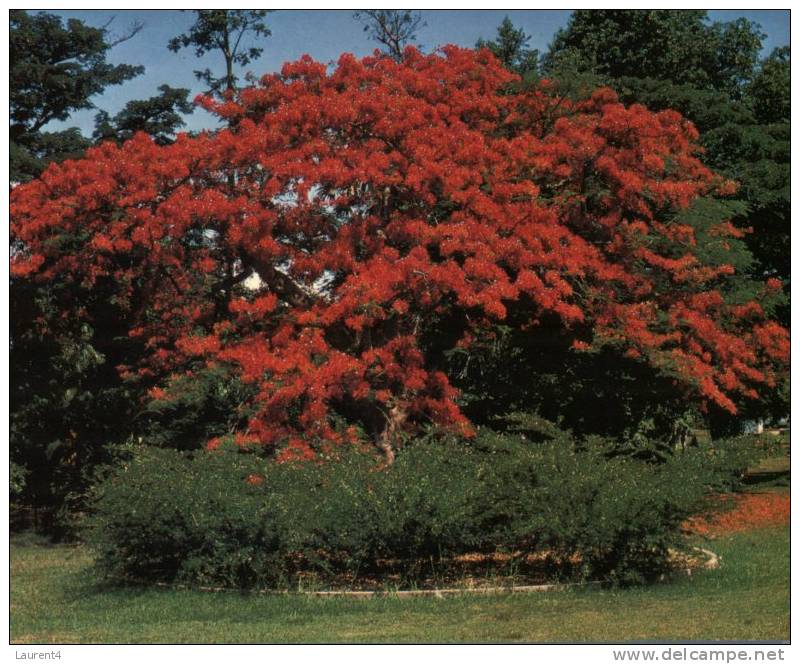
393 28
389 236
710 73
55 69
770 92
159 116
224 30
736 46
510 46
675 45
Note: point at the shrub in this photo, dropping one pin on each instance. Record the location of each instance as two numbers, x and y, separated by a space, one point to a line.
231 518
168 516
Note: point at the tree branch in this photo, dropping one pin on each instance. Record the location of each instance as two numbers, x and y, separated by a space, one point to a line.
134 30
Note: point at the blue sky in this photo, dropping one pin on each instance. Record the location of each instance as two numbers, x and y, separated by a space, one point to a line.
323 34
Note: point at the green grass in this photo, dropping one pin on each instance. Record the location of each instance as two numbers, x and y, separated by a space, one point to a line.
773 471
56 599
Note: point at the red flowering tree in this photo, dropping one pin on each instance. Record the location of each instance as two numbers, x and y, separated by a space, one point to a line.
350 229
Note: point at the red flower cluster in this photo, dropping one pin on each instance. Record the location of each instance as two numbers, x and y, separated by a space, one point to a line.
307 244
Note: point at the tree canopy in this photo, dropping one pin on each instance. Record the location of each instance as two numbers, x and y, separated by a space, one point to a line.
159 117
709 72
223 30
510 47
677 45
349 231
55 69
769 93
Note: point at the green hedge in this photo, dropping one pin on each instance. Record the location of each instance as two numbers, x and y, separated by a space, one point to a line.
233 519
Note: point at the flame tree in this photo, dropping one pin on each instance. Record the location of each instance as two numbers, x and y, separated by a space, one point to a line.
350 231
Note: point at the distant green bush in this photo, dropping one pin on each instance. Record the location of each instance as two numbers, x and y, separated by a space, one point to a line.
231 518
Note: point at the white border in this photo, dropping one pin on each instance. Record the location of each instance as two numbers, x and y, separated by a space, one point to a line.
510 654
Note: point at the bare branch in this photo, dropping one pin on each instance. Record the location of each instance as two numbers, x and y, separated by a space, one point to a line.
134 29
394 28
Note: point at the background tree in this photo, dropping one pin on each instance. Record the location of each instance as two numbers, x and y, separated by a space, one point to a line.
675 45
66 400
159 117
710 73
394 29
511 48
30 154
55 69
769 93
224 30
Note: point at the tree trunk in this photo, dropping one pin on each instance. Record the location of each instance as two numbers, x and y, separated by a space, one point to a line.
226 50
387 441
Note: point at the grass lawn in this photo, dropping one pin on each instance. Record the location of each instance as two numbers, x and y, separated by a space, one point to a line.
55 599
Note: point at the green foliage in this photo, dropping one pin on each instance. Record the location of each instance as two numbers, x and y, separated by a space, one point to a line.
223 30
30 153
17 479
770 92
67 400
600 514
707 109
511 48
54 70
537 370
69 404
206 405
158 116
710 73
676 45
732 457
164 517
735 46
230 518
